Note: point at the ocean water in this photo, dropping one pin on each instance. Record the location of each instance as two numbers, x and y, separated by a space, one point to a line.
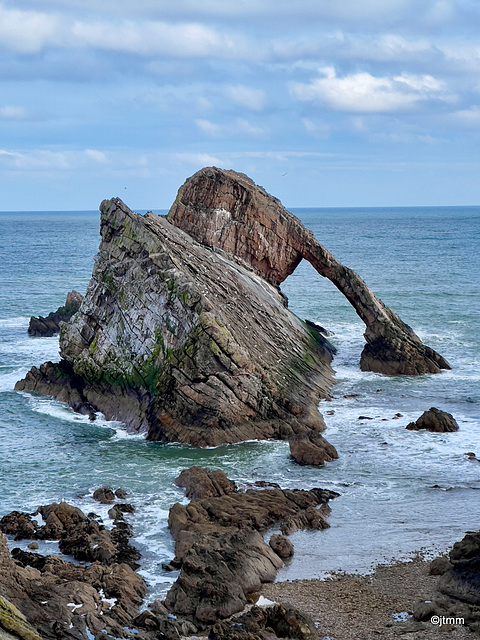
401 491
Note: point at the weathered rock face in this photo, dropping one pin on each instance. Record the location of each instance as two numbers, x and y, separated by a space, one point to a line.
458 584
219 545
186 343
65 600
434 420
50 325
227 210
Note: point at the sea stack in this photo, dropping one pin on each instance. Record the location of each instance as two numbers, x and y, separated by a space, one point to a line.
184 334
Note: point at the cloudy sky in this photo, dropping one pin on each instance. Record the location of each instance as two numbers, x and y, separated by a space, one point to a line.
322 102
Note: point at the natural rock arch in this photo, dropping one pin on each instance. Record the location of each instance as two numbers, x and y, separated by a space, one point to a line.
227 210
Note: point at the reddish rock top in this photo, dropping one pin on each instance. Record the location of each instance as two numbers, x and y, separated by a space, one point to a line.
226 210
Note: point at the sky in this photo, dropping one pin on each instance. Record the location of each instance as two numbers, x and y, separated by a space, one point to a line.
322 102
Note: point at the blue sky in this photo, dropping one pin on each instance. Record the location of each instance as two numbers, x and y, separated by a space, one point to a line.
344 103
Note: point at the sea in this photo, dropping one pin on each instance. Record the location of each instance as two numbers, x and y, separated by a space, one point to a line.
401 492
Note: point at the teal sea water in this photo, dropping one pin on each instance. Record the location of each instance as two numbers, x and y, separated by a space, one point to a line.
401 491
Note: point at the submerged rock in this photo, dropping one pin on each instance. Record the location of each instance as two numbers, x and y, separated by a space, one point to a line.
50 325
60 599
434 420
79 536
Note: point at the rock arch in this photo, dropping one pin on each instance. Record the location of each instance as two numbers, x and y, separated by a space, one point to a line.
227 210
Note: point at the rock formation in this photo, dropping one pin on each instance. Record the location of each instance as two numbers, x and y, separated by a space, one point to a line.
434 420
184 333
49 326
219 546
60 599
458 584
226 210
188 344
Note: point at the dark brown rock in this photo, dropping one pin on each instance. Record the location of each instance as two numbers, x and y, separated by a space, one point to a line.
261 622
282 546
50 325
104 495
439 566
434 420
204 483
462 580
313 450
61 599
222 553
79 536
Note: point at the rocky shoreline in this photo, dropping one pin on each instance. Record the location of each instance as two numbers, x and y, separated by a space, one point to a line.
184 335
219 549
224 565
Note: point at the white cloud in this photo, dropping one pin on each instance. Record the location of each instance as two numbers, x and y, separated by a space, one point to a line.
239 126
364 93
10 112
26 31
210 128
316 129
469 118
247 97
36 160
97 156
198 159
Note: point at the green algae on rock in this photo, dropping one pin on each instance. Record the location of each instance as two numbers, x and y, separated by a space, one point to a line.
186 343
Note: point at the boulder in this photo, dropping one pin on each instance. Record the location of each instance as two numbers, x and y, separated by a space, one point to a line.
282 546
47 597
49 326
277 621
204 483
462 580
104 495
434 420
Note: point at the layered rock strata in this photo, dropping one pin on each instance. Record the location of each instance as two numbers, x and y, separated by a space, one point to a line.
187 343
220 547
48 597
459 585
226 210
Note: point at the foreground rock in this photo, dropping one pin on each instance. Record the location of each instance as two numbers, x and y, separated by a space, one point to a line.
219 545
79 536
459 585
434 420
187 343
266 623
226 210
13 624
59 599
49 326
